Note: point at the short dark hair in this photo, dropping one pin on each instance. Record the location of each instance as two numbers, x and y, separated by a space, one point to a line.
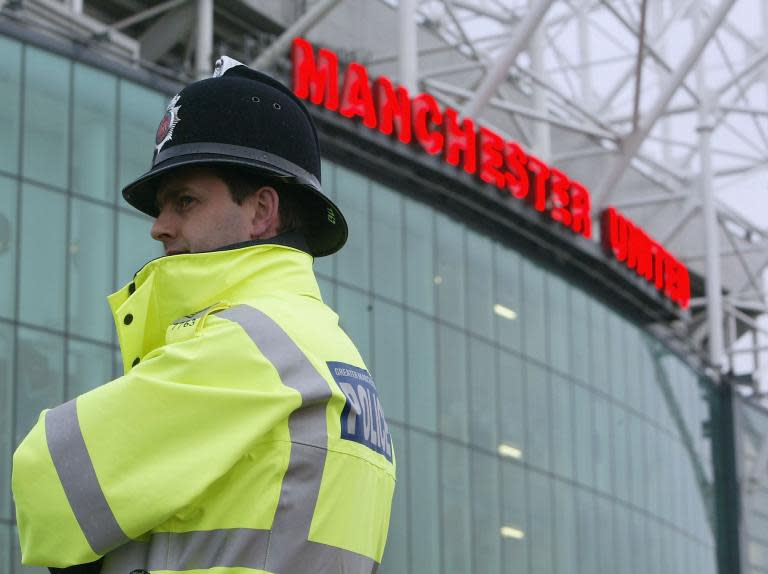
243 182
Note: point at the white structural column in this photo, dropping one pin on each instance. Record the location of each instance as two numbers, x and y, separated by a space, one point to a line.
631 145
407 56
76 6
585 56
204 46
500 69
542 143
316 13
709 212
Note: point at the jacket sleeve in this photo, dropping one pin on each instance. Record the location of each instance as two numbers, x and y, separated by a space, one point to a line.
120 460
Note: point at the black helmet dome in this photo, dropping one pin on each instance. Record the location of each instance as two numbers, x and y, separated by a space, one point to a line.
244 118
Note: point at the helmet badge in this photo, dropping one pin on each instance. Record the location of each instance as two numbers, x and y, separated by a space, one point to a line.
169 121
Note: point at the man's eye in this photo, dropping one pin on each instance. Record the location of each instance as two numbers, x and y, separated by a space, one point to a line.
185 201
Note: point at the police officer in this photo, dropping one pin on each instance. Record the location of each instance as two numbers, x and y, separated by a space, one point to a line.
246 433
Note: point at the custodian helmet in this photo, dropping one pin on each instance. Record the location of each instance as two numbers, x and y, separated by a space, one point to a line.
244 118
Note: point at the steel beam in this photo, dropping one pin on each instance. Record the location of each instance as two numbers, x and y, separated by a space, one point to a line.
517 109
166 32
500 69
621 83
408 53
645 201
317 12
635 139
542 144
147 14
204 36
711 230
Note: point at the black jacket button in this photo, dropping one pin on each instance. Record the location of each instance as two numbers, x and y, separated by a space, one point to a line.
131 288
128 319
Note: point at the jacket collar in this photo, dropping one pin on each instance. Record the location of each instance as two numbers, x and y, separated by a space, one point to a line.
168 288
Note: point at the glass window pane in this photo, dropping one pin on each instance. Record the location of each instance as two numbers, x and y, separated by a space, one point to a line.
582 403
353 262
622 452
449 279
6 416
538 416
46 118
5 545
389 357
514 512
355 318
453 383
387 238
480 284
605 533
533 312
141 110
617 348
10 111
638 464
565 529
135 248
41 377
508 296
562 426
580 336
624 541
586 534
457 536
419 263
8 199
559 331
598 328
91 260
486 519
395 560
421 363
542 548
89 366
94 126
639 536
327 291
635 394
603 453
483 398
512 402
424 502
43 257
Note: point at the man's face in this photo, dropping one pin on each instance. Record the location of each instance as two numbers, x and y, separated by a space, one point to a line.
197 213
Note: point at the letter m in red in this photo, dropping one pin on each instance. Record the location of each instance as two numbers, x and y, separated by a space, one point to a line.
316 80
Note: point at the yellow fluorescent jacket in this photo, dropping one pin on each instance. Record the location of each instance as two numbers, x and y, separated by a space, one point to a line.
245 436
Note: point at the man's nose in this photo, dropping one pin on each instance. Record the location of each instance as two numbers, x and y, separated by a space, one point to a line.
164 227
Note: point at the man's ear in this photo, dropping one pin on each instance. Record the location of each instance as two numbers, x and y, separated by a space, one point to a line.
263 205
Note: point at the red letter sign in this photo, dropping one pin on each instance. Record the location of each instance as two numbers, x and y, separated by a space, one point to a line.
317 83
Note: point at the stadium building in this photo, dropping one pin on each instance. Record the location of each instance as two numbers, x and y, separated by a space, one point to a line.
562 315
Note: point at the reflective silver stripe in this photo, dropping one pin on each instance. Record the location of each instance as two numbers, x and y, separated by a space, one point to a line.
78 477
286 548
290 551
228 548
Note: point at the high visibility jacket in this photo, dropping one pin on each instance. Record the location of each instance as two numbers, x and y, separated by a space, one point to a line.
245 435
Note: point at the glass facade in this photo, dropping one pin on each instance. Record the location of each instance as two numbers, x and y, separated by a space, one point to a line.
537 430
752 454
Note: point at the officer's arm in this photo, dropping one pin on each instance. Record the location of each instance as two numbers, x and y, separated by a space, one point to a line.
124 458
